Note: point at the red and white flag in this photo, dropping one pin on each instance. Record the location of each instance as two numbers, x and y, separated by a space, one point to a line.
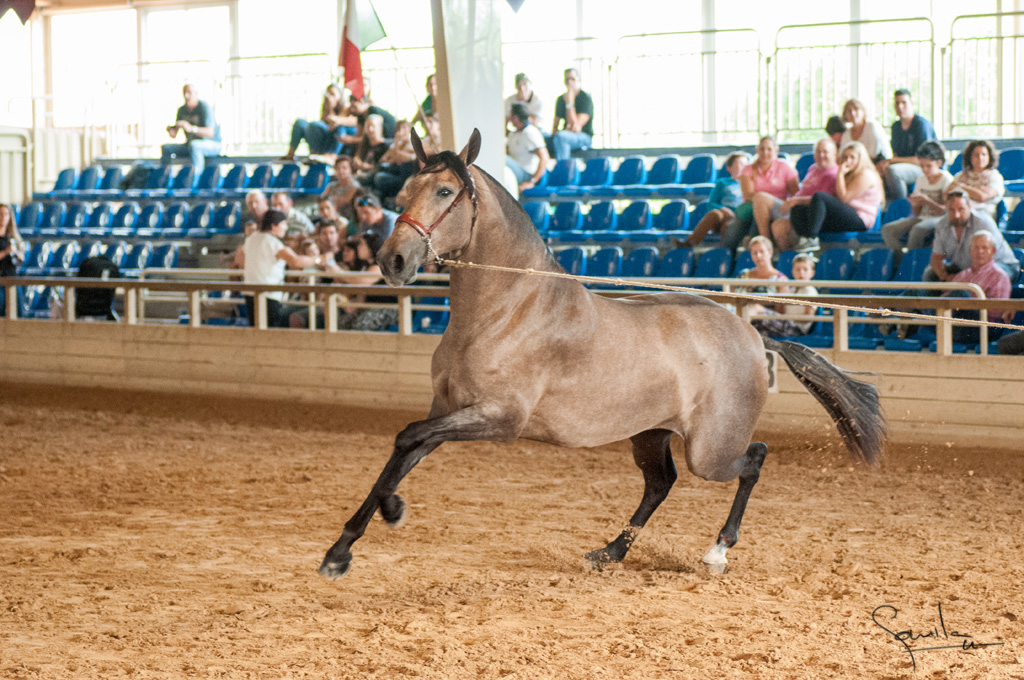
362 29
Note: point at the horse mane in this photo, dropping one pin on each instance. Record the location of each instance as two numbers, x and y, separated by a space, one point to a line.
448 160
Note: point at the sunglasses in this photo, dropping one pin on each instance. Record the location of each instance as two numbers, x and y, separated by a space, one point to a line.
363 202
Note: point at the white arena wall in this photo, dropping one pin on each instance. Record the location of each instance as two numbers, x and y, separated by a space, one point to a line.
928 399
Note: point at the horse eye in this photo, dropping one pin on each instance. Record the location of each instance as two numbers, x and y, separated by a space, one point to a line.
443 192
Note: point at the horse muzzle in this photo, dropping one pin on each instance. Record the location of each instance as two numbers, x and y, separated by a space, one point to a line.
399 261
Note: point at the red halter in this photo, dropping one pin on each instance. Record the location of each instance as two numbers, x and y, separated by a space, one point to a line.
425 231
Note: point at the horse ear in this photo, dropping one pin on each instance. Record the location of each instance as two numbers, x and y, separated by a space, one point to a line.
469 154
417 146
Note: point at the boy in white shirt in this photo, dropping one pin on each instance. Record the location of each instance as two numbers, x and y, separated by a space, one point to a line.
926 201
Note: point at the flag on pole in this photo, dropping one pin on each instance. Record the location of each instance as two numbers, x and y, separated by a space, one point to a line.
362 29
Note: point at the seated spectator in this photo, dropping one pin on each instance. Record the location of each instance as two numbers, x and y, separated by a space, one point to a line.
361 109
993 281
10 251
343 188
525 95
574 118
320 135
298 224
853 208
803 270
202 134
328 238
527 155
979 178
327 212
909 132
766 174
834 128
265 258
256 206
371 216
397 164
864 130
369 150
953 233
368 318
723 201
426 114
926 201
820 177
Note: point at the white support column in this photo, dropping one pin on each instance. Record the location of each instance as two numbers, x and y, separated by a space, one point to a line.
195 310
405 314
944 333
467 56
841 329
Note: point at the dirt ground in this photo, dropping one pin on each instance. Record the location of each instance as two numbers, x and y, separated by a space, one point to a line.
150 536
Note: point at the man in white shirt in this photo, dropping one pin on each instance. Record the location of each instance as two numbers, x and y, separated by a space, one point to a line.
527 154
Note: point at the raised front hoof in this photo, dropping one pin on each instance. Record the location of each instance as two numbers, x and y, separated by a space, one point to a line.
333 568
599 559
392 509
715 559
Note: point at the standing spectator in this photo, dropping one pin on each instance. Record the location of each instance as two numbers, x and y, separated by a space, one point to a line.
370 149
371 216
926 201
723 201
524 94
979 178
820 177
854 206
909 132
527 155
834 128
864 130
298 224
10 250
397 164
953 233
265 260
320 135
343 188
766 174
256 205
426 115
202 134
574 118
993 282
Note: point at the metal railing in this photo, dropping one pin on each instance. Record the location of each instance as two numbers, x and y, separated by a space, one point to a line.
984 72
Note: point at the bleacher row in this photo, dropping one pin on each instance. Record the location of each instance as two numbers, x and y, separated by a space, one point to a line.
575 221
835 264
668 178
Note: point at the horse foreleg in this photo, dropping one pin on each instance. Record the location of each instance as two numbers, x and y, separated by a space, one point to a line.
750 470
412 445
652 455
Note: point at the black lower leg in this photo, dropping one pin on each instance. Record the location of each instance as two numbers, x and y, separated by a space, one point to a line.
751 461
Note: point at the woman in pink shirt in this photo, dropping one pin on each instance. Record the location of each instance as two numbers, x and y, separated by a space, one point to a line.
853 208
768 175
820 177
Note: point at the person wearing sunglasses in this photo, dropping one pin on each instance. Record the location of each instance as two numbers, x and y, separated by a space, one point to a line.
371 216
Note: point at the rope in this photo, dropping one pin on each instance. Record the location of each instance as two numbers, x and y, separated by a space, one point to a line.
757 297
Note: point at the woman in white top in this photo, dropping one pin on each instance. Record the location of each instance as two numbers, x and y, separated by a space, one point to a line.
266 258
864 130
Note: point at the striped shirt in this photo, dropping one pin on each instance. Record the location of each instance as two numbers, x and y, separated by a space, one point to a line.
992 279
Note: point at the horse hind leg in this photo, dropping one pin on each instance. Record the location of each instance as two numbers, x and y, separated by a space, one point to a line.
653 456
749 471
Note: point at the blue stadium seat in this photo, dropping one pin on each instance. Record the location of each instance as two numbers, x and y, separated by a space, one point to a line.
607 263
631 171
1015 224
135 260
109 185
261 178
676 263
175 219
86 184
287 178
601 217
430 321
75 219
39 304
232 186
835 264
149 221
62 259
957 165
99 220
568 217
86 249
564 174
199 220
714 263
873 265
115 252
596 173
698 213
226 219
665 171
36 259
538 212
65 181
573 260
700 175
911 268
52 219
314 181
636 217
157 182
209 180
871 236
163 256
898 209
785 262
1002 214
743 261
641 262
804 163
673 218
1011 163
182 185
124 220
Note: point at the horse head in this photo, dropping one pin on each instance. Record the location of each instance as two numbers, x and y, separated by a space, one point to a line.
440 211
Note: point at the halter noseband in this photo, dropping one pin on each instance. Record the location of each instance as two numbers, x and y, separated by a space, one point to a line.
425 232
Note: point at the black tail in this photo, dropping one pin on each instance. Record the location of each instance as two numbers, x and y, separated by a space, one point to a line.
852 404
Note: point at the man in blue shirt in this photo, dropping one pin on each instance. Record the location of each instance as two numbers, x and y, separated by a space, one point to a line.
908 133
202 134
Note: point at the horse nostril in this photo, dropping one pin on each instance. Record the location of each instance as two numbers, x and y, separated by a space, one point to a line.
398 263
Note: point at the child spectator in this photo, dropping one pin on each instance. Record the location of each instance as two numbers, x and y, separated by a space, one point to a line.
722 203
926 201
803 270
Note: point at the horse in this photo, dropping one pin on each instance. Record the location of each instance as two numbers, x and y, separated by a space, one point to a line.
544 358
